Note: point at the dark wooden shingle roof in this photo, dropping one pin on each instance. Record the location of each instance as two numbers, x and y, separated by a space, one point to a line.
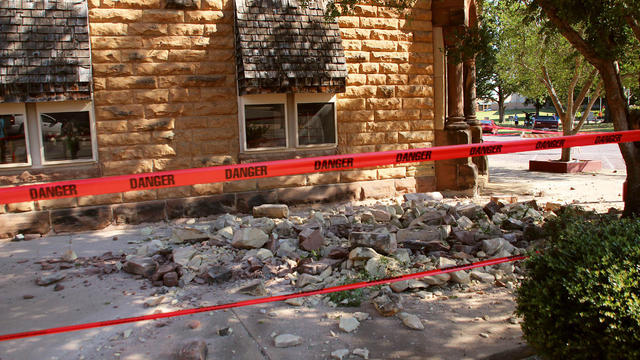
283 47
44 51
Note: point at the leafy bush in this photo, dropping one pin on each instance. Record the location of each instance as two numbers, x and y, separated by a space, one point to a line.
580 298
350 298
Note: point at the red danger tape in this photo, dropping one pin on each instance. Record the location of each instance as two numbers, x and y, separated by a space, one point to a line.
265 300
165 179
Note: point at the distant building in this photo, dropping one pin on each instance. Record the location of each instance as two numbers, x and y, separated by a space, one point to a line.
513 101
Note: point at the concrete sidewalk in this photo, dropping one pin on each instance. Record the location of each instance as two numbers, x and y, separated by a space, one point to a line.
453 320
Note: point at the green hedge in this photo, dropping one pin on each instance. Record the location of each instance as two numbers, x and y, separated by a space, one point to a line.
580 298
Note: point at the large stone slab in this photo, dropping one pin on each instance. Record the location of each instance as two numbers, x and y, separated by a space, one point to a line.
249 238
382 242
428 234
271 211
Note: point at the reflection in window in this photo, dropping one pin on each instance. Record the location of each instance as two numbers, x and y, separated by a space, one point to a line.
265 126
13 146
66 135
316 124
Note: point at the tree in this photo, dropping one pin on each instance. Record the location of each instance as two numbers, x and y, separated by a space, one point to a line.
491 84
546 65
604 32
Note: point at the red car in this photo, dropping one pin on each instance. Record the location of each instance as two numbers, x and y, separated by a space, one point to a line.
488 126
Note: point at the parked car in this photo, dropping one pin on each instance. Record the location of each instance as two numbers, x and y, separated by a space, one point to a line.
51 127
549 123
488 126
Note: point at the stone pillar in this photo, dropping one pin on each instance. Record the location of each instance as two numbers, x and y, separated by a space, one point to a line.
470 113
457 175
470 92
455 85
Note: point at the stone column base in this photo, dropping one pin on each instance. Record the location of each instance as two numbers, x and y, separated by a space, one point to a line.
481 161
457 175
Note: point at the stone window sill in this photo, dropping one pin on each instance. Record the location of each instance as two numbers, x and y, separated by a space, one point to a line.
284 154
26 175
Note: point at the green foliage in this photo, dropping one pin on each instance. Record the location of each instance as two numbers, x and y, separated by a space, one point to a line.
601 23
351 298
581 296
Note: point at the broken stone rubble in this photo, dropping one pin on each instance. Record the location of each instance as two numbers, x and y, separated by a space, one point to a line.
330 246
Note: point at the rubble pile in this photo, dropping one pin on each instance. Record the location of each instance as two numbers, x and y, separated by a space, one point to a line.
334 246
323 247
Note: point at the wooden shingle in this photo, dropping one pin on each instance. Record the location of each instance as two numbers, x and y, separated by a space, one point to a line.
283 47
44 51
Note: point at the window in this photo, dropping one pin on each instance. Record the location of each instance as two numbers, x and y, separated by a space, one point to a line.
13 141
50 133
287 121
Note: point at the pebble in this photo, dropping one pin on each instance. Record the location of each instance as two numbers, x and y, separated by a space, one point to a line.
287 340
44 280
411 321
362 352
348 323
193 324
340 354
194 350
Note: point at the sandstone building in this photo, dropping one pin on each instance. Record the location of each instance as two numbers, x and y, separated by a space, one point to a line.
92 88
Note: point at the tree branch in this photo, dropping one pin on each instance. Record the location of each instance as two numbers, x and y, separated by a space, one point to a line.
569 33
552 92
572 86
633 23
587 110
585 88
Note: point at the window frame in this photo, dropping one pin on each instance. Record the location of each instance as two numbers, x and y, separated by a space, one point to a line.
33 129
13 109
290 102
310 99
269 99
66 106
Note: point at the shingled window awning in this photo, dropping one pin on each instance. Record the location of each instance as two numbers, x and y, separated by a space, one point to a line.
283 47
44 51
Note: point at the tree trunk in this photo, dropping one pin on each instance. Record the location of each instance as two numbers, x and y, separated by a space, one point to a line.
500 105
566 154
538 106
616 104
619 112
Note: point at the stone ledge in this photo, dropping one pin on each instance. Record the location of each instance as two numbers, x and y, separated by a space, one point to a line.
195 207
136 213
81 219
99 217
36 222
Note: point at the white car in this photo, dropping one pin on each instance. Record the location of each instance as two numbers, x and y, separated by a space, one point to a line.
51 128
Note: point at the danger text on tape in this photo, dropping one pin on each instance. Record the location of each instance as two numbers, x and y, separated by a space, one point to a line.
163 179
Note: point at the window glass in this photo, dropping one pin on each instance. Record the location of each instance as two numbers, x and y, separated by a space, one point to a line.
316 124
13 146
66 135
265 126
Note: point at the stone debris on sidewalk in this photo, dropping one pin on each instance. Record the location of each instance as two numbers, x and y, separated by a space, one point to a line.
287 340
194 350
330 246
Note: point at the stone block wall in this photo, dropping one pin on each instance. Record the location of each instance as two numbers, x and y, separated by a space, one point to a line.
165 98
388 104
164 88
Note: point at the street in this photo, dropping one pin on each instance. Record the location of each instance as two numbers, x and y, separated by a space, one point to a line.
609 154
